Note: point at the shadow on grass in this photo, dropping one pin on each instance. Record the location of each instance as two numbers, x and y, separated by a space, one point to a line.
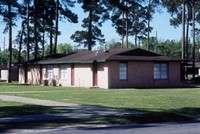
9 111
149 116
15 83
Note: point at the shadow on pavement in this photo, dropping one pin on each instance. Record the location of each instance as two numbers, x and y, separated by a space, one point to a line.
32 116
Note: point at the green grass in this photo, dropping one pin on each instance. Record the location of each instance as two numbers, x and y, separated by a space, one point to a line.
162 104
151 99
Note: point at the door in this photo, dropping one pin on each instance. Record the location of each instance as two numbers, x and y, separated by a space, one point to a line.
41 79
95 74
72 74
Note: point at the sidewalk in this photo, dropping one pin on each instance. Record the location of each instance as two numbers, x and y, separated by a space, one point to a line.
34 101
81 111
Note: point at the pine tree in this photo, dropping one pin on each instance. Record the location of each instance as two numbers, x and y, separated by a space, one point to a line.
9 11
97 14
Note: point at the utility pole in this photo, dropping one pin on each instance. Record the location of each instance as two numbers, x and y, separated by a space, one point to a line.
4 43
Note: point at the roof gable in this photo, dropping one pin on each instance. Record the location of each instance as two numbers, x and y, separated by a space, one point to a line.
138 52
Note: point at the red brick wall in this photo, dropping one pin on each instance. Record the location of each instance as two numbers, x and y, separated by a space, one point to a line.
141 74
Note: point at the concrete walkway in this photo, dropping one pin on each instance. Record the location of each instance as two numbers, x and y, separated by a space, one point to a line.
79 111
34 101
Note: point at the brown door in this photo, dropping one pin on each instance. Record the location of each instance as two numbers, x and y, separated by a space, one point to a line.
25 74
41 80
72 74
95 79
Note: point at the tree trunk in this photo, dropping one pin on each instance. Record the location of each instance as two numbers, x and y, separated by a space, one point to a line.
28 33
148 25
56 33
187 32
20 45
183 41
51 40
51 30
193 37
126 29
183 30
10 43
20 42
187 44
35 30
122 30
43 37
135 40
90 31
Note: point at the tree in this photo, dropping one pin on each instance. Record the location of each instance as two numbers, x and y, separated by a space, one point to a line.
183 9
170 48
153 43
119 21
63 11
137 21
64 48
42 22
151 8
9 13
20 42
28 30
97 14
177 11
113 44
4 55
181 12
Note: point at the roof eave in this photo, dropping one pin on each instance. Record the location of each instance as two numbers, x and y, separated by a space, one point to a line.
69 62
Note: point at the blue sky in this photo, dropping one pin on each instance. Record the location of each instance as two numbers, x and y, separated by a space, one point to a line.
160 24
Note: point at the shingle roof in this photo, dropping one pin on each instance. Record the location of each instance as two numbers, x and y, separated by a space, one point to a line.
125 54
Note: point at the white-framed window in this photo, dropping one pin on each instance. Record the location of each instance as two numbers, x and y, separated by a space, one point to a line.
63 72
49 72
160 71
123 71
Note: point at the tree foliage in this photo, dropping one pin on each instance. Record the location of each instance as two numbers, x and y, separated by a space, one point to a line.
97 14
44 17
64 48
4 56
175 8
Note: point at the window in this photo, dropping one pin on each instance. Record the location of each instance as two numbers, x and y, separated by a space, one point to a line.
161 71
123 71
63 72
49 71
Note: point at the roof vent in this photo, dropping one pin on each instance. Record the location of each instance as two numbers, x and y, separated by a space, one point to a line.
106 51
97 53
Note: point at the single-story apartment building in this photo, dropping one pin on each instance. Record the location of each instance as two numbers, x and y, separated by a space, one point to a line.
116 68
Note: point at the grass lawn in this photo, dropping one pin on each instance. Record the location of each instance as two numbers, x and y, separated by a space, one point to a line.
181 103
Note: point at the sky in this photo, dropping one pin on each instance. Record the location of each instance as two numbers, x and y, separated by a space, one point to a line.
160 24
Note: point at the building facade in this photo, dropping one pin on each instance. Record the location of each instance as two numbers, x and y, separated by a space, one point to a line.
120 68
